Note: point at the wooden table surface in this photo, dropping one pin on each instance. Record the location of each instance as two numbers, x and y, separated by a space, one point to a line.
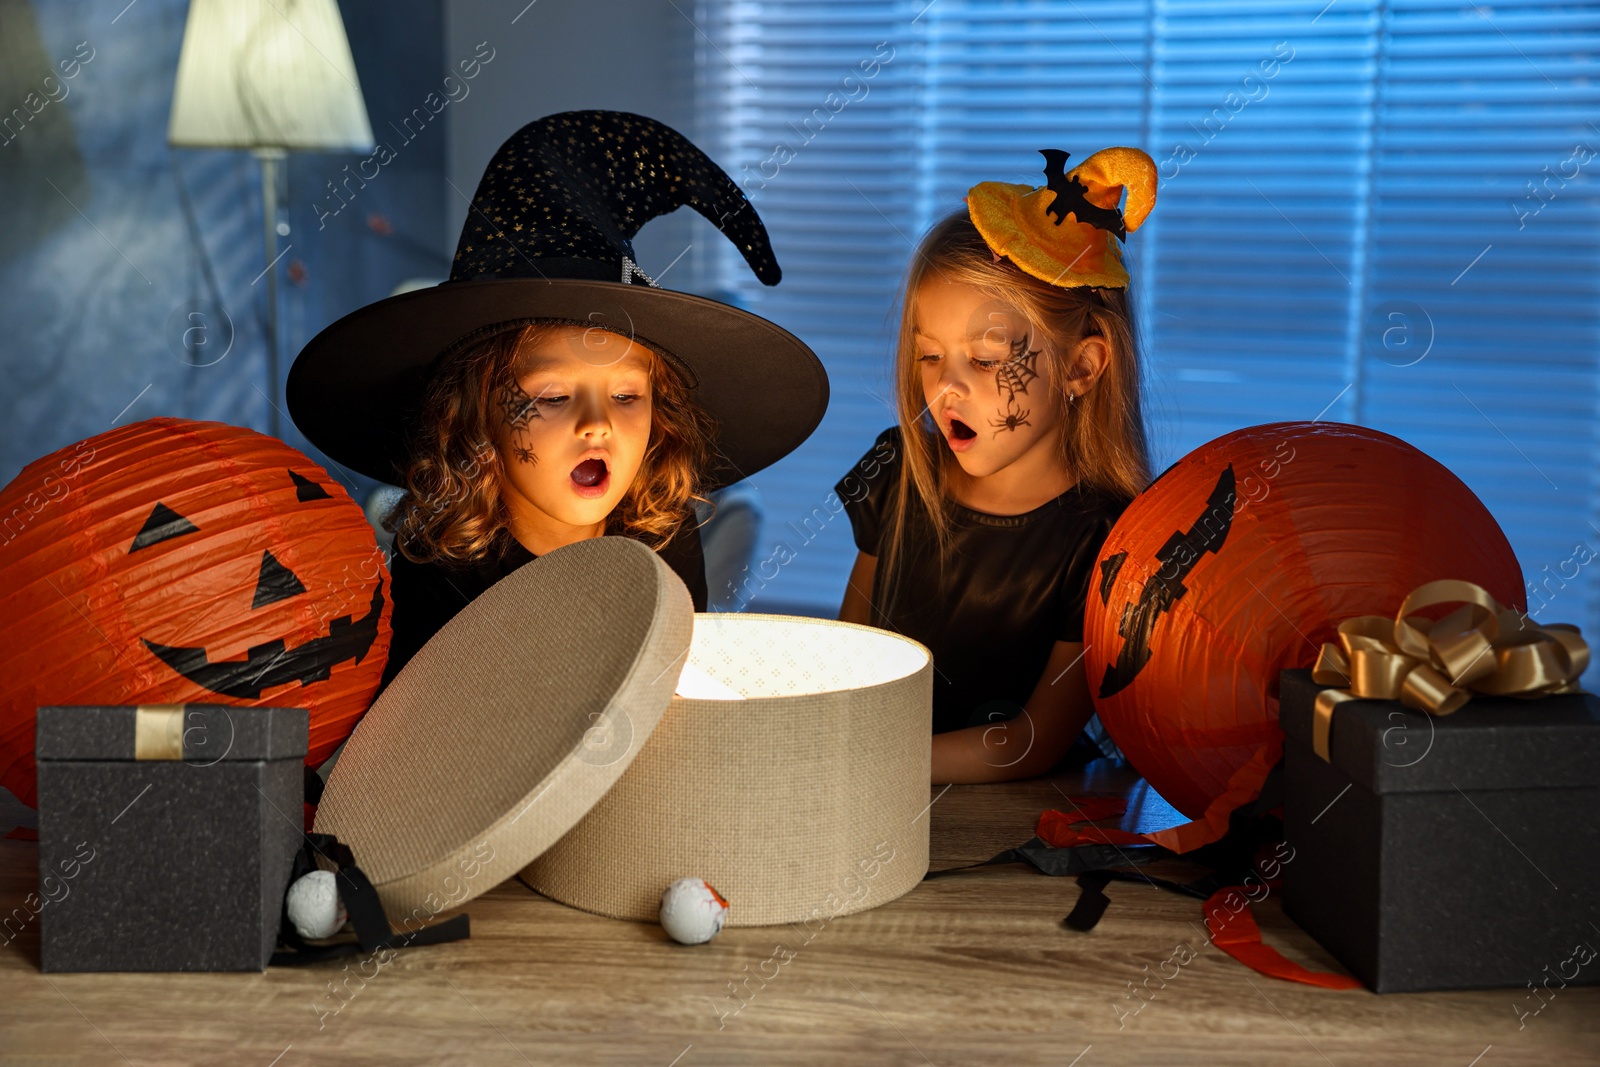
972 969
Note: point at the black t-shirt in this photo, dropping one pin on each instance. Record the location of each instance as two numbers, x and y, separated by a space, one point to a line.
1010 588
428 595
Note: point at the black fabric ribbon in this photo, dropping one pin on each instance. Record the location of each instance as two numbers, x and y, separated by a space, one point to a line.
1230 858
1092 899
364 908
1047 859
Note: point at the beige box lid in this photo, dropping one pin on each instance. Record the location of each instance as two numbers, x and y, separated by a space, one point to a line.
509 725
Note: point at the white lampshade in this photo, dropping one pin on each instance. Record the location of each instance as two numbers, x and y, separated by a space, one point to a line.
267 74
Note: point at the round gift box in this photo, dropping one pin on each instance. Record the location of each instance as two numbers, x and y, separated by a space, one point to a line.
800 792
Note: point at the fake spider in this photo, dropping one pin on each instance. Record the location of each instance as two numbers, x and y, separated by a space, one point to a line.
525 455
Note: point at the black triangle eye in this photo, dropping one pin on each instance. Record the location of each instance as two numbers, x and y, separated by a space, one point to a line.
275 583
1108 574
306 489
162 525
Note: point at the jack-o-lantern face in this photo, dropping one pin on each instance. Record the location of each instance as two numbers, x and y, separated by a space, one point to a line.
1161 590
270 663
1237 563
172 561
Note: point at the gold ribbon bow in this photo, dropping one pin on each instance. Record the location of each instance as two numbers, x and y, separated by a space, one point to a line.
1436 666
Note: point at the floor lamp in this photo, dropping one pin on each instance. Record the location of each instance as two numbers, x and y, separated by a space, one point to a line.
273 76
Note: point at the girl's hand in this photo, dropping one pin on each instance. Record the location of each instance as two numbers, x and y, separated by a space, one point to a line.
1031 743
1023 747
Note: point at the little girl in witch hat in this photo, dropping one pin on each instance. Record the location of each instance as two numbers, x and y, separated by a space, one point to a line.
1020 441
550 391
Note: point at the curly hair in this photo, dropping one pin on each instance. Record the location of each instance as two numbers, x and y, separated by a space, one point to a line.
453 511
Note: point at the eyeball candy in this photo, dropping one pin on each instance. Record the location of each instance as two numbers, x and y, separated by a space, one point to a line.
692 912
315 909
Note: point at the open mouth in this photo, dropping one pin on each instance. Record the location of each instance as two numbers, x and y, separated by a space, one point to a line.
959 436
591 477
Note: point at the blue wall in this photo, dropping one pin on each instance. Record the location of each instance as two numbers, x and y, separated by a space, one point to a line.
101 264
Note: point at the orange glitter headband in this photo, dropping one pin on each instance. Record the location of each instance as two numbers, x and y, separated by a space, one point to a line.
1069 231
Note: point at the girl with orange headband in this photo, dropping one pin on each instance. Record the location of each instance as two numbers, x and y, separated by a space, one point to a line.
1019 442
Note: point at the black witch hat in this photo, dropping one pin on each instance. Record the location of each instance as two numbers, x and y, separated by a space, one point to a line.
549 236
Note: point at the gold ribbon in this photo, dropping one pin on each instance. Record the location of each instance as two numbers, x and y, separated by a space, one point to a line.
158 731
1436 666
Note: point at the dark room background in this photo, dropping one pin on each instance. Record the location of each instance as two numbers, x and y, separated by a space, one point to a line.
1371 212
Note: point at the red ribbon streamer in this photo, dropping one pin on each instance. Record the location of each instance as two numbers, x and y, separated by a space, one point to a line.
1233 930
1058 828
1236 933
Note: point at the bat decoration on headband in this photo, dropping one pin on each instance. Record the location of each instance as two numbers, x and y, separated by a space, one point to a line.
1072 196
1069 232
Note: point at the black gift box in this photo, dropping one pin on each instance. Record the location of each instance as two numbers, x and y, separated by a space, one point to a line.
166 834
1446 853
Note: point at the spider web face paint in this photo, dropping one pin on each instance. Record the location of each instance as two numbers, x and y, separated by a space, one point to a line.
1011 379
1015 374
517 409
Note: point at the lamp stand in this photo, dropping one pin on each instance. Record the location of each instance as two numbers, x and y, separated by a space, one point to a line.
270 158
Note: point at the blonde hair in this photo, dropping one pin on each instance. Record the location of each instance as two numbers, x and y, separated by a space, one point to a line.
453 511
1102 440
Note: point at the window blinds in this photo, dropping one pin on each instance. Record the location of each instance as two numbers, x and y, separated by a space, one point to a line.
1372 212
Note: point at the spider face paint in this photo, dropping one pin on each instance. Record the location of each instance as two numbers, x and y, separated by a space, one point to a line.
1011 380
516 409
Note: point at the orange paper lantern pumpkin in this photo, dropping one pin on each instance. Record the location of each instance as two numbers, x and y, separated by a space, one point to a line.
172 561
1238 562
